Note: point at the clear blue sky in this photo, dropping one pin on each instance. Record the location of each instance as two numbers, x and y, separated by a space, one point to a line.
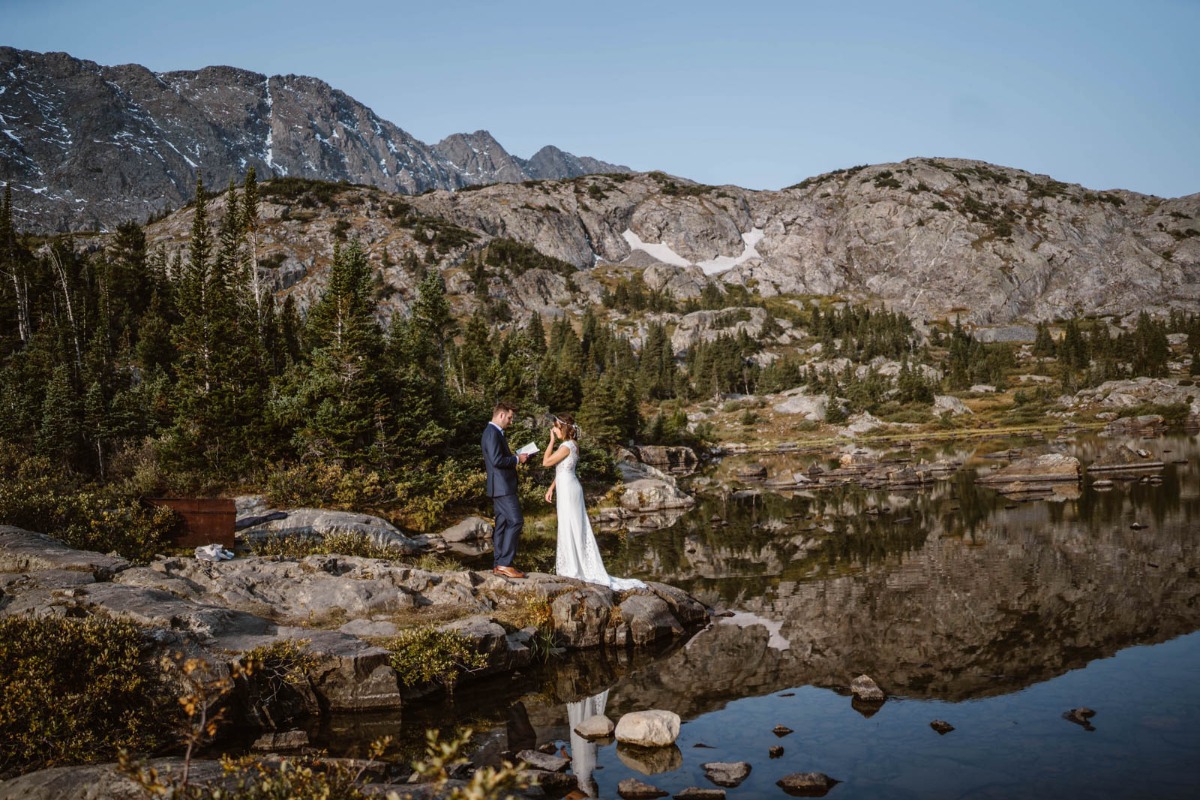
756 93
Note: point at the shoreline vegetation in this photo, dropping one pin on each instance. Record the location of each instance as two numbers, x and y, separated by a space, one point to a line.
133 372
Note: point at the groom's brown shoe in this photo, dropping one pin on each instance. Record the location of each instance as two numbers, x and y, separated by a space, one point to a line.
508 572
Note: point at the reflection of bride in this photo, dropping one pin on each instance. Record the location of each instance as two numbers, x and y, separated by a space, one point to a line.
578 554
583 752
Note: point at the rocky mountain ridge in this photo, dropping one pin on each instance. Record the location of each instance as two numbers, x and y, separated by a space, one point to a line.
89 146
936 238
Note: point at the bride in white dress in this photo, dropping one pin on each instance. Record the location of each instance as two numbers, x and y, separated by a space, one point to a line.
578 555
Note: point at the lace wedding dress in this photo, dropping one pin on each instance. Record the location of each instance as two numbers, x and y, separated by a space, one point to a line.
578 554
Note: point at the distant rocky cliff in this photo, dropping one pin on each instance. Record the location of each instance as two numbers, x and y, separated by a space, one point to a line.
88 146
987 243
934 237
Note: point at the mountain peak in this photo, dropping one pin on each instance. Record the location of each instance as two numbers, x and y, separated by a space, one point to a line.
77 136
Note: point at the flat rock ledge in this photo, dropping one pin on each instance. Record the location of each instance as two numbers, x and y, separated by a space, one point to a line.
343 607
106 782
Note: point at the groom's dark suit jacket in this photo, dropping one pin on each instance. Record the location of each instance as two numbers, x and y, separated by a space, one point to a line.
499 462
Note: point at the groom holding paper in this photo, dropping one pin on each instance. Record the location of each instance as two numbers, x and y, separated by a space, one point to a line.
501 466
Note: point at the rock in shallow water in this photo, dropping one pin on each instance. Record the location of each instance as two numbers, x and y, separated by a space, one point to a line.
655 728
696 793
596 727
726 773
806 784
867 690
633 789
542 761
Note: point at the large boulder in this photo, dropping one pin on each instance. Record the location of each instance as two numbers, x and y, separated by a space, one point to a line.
581 616
101 781
648 489
799 401
647 495
949 404
470 529
319 523
1045 468
654 728
26 551
676 460
648 619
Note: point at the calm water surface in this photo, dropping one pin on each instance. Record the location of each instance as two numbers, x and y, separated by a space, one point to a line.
992 613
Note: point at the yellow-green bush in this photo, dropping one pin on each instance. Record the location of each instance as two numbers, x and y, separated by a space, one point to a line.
324 484
39 497
425 497
75 691
430 655
343 544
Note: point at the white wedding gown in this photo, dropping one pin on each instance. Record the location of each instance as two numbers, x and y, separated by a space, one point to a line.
578 554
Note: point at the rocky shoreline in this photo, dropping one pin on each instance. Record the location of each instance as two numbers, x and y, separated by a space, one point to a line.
338 608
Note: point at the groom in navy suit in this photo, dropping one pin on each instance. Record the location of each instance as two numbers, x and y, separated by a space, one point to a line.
501 466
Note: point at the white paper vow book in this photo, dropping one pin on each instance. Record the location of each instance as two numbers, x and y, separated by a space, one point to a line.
528 449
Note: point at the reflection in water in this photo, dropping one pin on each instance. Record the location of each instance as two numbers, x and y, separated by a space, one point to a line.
583 752
950 593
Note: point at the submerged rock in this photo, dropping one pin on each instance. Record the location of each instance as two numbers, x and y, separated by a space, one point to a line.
1081 716
941 726
542 761
726 773
807 784
1045 468
633 789
696 793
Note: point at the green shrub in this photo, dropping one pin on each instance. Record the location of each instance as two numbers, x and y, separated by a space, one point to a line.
271 678
248 778
432 655
325 484
40 497
78 690
316 778
425 498
1174 414
344 543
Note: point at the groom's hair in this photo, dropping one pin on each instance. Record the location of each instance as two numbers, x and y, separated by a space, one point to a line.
503 406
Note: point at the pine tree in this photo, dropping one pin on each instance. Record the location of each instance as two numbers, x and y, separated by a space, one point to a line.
59 435
220 386
337 405
1043 344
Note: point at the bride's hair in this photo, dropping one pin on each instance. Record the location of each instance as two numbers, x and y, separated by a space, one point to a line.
570 429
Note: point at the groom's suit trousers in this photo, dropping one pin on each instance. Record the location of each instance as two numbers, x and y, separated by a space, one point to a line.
509 522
